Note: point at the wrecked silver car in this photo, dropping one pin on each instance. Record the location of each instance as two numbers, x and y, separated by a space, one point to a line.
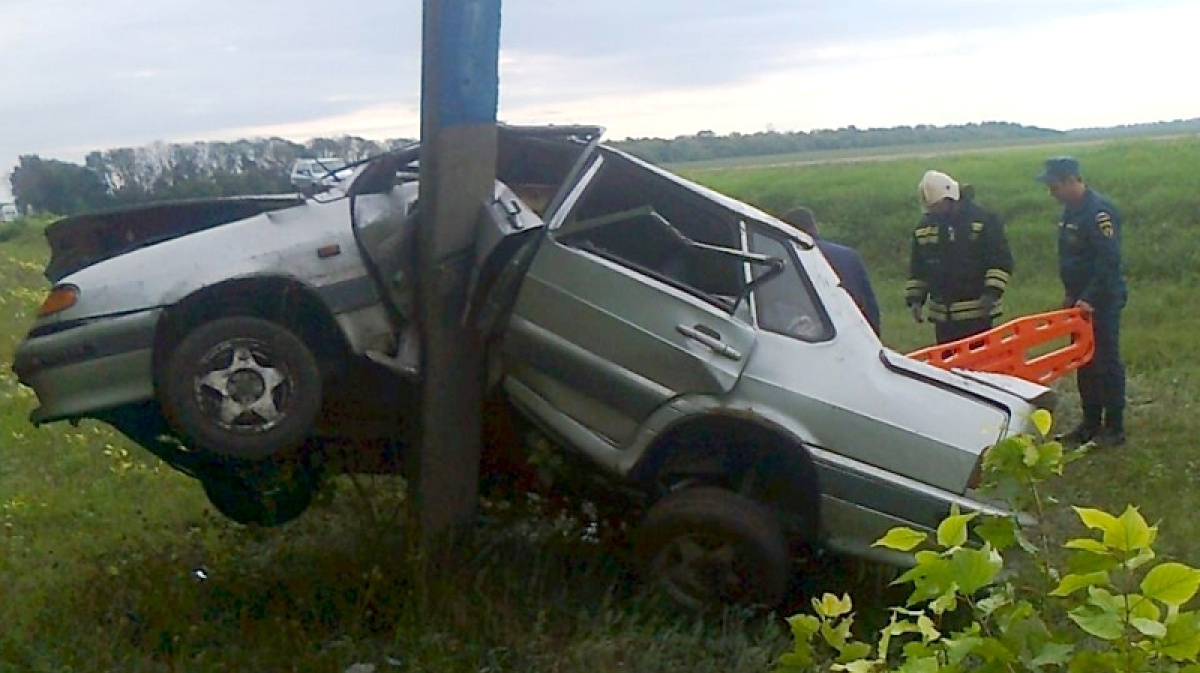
692 349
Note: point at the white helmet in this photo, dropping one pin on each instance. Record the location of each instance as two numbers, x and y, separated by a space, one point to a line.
935 186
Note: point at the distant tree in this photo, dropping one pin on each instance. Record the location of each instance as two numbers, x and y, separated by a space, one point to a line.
58 187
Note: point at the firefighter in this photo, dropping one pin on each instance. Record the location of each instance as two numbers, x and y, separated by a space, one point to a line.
960 261
1089 264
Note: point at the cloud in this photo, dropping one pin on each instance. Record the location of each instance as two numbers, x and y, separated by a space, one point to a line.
109 73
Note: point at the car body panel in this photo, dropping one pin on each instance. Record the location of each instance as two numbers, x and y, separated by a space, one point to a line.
65 366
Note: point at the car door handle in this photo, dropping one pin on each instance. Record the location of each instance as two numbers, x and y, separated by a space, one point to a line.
711 338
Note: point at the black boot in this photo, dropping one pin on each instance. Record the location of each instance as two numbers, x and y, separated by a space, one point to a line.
1113 432
1080 434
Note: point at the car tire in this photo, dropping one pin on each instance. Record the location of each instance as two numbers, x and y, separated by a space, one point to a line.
262 493
241 388
707 547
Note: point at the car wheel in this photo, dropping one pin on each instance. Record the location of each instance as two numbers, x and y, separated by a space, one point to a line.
707 546
262 493
242 387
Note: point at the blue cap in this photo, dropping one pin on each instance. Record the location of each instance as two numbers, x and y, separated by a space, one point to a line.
1058 168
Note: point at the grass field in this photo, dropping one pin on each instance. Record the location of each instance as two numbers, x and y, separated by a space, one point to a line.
111 562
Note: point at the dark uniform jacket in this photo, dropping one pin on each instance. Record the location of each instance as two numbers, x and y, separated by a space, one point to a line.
955 259
1089 252
849 267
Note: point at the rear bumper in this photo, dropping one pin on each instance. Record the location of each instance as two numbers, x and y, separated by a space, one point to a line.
94 365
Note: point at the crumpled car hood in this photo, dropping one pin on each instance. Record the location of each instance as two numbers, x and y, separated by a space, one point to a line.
83 240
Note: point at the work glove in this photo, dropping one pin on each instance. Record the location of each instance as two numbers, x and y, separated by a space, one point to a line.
918 312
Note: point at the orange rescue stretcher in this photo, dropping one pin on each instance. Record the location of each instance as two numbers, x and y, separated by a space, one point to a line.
1038 348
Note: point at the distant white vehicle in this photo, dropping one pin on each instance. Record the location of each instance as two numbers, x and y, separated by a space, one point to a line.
317 175
8 212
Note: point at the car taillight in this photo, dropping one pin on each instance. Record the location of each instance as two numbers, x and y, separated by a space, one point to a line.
61 298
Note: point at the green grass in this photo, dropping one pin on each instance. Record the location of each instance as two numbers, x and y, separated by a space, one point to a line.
110 561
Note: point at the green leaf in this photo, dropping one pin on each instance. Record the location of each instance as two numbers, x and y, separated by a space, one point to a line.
836 634
929 633
974 569
861 666
832 606
894 628
854 652
922 665
1050 455
1031 455
1042 420
1084 562
799 661
1171 583
986 606
804 627
901 539
998 531
1025 544
1140 559
1133 533
1053 654
1182 642
1149 627
1098 622
1087 544
952 532
993 650
918 649
1103 598
946 602
1096 519
1072 583
958 649
1142 607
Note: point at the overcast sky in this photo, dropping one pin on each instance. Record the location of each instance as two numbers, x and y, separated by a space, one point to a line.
82 75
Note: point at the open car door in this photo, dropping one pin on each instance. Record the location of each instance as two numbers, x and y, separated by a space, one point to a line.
532 165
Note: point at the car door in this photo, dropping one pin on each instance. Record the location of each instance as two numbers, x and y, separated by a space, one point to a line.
637 297
535 161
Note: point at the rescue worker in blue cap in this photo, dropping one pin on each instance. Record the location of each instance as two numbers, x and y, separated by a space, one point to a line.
1089 264
959 260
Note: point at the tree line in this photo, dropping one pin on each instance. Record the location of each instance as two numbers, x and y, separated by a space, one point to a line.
706 145
162 171
168 171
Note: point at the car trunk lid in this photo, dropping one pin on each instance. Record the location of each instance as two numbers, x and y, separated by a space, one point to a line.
80 241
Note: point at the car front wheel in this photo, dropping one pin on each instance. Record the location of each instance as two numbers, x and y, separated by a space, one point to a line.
242 387
708 546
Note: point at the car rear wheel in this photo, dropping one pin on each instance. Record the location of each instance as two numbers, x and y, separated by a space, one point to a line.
242 387
265 493
708 546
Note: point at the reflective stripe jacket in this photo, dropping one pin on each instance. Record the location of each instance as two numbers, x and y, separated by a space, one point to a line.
1089 251
956 258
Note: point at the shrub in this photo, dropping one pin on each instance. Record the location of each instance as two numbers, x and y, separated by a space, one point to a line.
987 598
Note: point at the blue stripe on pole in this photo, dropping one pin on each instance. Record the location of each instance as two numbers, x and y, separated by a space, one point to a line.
469 52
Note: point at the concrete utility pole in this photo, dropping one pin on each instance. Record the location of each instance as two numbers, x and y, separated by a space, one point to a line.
459 93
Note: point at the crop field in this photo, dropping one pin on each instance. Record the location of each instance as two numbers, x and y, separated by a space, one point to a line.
109 561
